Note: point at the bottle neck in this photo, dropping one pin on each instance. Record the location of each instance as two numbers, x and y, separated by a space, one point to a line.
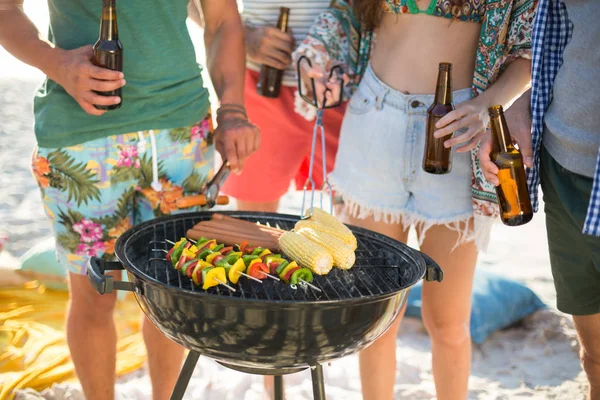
502 138
108 24
443 90
282 22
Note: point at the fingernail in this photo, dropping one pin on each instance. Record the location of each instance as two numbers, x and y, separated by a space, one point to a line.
446 144
437 125
121 76
123 82
117 100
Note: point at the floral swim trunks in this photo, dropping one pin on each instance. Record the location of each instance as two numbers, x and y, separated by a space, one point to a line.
95 191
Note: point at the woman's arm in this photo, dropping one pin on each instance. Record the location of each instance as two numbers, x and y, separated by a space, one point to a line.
473 114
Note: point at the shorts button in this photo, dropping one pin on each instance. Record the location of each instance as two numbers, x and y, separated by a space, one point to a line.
415 104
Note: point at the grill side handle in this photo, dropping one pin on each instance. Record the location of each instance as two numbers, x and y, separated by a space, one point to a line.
106 283
433 270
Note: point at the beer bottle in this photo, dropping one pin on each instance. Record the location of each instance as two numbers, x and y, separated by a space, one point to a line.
269 81
513 196
438 159
108 50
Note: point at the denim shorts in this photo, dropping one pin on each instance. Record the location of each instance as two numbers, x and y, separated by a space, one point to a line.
378 169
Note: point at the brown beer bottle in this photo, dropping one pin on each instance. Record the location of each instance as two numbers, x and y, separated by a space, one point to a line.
438 159
108 50
269 81
513 196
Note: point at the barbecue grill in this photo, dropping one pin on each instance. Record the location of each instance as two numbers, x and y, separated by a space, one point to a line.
265 328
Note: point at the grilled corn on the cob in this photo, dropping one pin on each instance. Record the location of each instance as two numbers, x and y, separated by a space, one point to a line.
334 229
306 253
343 255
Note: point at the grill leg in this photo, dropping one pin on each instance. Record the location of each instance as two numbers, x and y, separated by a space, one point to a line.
184 376
278 387
318 382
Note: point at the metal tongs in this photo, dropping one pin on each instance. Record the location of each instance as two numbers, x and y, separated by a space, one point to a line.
318 124
209 196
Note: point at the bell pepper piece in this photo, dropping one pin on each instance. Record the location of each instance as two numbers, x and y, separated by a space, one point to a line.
257 251
236 253
288 274
181 262
226 250
218 247
291 265
197 274
281 267
209 258
234 271
255 261
217 258
273 267
249 249
269 259
232 258
255 268
247 259
264 253
177 252
188 268
203 254
223 263
169 253
243 246
213 276
210 244
303 274
188 253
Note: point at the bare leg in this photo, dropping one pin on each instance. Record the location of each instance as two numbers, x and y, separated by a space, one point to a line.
588 330
271 206
378 361
165 358
447 310
92 337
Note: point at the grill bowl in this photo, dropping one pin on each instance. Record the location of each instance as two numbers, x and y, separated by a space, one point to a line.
265 327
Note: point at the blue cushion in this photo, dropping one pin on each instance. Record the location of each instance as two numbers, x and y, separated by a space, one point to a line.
498 302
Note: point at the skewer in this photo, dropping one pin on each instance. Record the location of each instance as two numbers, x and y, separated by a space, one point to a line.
270 276
169 241
251 277
166 251
310 285
224 284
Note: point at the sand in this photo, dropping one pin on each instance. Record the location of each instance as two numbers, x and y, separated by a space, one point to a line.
538 359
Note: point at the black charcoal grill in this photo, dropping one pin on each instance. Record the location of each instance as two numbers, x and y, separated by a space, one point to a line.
265 328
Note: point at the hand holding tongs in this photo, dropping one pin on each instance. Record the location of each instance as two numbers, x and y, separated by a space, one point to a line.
318 124
210 191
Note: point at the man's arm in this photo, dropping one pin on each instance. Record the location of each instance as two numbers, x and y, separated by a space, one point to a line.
235 138
72 69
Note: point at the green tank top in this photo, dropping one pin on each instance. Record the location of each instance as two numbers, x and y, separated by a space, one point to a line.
164 87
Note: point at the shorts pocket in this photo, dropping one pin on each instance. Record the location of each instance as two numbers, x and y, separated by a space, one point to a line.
360 103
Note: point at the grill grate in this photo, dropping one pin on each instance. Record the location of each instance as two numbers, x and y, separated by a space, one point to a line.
383 266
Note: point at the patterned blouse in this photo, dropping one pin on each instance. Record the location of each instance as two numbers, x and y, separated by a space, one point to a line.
337 38
469 11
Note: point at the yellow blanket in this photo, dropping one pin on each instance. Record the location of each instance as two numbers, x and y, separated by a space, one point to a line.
33 344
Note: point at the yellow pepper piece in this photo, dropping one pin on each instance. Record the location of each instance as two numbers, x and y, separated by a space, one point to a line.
234 271
235 253
213 277
198 270
188 253
211 256
265 252
193 249
258 260
213 244
291 265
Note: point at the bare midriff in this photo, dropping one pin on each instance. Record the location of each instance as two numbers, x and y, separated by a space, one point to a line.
409 49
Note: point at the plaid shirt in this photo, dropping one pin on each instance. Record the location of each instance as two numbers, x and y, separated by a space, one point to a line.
551 33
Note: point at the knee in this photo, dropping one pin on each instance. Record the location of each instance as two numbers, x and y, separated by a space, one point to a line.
448 334
591 366
92 308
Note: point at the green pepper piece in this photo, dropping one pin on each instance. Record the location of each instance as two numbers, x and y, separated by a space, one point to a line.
224 263
257 251
218 247
177 253
304 274
249 258
202 255
232 258
282 266
185 266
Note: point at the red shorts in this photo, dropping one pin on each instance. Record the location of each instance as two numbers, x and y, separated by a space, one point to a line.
284 154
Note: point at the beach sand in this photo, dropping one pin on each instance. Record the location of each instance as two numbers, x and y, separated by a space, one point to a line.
538 359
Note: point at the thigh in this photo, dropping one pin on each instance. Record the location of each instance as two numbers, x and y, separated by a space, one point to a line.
88 193
395 231
184 160
449 301
574 257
